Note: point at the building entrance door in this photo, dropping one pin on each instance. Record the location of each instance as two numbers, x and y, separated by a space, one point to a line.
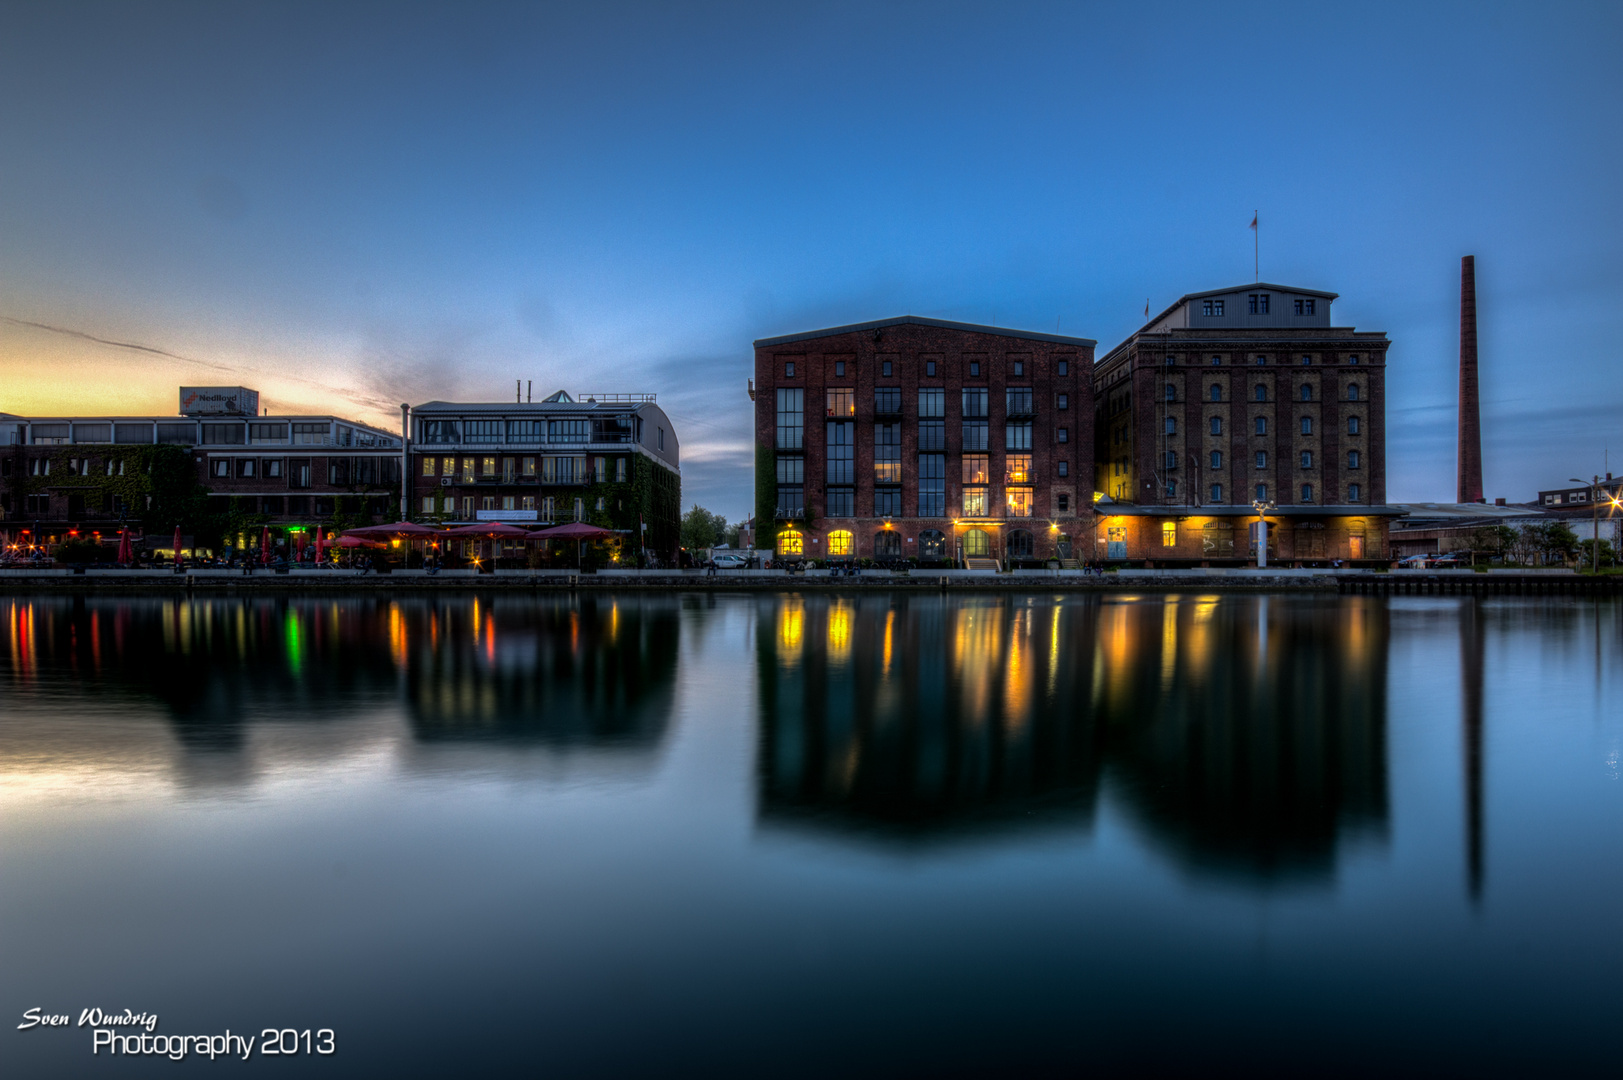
1116 543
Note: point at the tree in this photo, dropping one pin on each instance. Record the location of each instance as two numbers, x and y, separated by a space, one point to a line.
1608 557
702 529
1493 540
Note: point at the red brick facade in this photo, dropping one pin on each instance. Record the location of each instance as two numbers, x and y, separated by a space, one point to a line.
1052 464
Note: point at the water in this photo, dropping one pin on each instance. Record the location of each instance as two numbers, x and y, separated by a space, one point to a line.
811 836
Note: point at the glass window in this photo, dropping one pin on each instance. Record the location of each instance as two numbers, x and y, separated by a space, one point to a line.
273 467
525 431
1019 501
887 401
1307 459
1064 367
789 369
1262 492
1352 391
1307 425
1064 435
1064 468
976 433
932 403
448 466
1217 425
977 469
1307 392
1172 392
1217 459
1019 367
487 466
974 502
619 470
790 543
840 542
1262 459
1171 461
887 453
527 502
974 367
1169 534
842 402
558 431
428 504
841 453
932 485
975 402
884 369
1217 493
245 467
839 368
1018 470
1262 425
1172 425
1062 402
791 470
1217 392
1307 493
1352 459
428 466
509 502
467 470
487 502
1172 488
791 419
887 502
1352 425
529 466
1017 401
929 367
932 434
1352 493
1017 436
842 502
1261 392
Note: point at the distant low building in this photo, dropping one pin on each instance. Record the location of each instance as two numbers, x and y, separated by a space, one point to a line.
610 460
59 474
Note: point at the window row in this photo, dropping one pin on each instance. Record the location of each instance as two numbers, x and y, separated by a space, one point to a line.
845 368
1259 392
546 507
1215 493
563 470
1215 459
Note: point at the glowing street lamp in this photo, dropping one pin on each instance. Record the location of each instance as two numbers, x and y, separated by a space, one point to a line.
1263 507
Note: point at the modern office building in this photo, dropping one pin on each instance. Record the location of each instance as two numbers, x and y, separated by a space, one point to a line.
61 473
611 460
918 438
1234 397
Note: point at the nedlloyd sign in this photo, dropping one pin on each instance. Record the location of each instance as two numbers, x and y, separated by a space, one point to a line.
506 515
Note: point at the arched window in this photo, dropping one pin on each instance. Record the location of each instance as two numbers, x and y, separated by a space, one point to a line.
1352 391
1217 392
1307 425
1352 493
1352 459
1172 392
1217 493
1019 544
887 544
1262 392
791 543
1307 493
932 544
840 543
1262 425
1217 459
1217 425
977 543
1307 392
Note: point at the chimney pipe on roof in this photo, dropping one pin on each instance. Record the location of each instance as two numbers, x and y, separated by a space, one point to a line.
1469 455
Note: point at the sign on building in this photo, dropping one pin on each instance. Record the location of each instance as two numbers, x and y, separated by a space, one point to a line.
218 401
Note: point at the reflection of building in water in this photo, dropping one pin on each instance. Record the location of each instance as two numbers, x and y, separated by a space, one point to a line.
1471 650
593 670
919 715
558 671
1249 735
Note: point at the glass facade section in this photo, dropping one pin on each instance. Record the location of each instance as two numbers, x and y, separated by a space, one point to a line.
932 485
1017 436
841 460
791 419
887 454
842 402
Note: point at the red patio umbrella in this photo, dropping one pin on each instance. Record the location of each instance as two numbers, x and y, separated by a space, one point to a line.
178 561
318 547
347 541
264 546
578 531
124 547
300 538
491 530
389 532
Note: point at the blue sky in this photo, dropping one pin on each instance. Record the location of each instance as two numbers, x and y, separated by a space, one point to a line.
350 206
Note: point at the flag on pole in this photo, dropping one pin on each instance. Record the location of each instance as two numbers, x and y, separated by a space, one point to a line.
1253 221
1146 307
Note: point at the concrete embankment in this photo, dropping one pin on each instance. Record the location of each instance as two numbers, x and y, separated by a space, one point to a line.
235 582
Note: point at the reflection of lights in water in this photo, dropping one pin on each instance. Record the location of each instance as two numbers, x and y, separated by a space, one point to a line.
1053 651
186 629
1358 633
295 647
476 623
490 638
977 647
397 636
1017 674
839 632
890 638
614 620
1169 642
791 629
242 631
1198 647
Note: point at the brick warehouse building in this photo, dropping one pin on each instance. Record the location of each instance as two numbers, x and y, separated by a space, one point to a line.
913 437
87 473
610 460
1233 396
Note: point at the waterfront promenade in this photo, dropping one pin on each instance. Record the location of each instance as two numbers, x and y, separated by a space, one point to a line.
1283 579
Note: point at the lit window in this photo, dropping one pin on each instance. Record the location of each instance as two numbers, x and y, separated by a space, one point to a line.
1169 534
428 466
487 466
840 543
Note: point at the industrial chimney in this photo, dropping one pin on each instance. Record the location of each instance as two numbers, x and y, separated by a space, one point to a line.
1470 445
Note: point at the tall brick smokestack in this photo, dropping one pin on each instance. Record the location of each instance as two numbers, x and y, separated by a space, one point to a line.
1470 447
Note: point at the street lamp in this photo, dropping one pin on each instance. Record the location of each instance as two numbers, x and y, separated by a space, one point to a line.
1594 520
1263 507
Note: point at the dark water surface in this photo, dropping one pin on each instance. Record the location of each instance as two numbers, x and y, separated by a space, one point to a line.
814 836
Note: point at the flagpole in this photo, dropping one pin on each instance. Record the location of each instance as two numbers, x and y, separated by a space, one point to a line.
1256 245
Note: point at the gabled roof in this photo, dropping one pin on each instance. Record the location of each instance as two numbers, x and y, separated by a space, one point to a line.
1256 286
919 320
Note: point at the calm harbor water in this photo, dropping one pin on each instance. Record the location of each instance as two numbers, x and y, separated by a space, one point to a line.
812 835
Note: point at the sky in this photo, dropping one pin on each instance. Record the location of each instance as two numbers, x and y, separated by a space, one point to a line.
351 206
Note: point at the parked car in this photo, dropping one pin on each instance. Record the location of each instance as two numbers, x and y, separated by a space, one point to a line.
1454 560
725 561
1414 562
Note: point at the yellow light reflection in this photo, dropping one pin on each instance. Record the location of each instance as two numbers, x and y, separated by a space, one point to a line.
791 630
839 632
